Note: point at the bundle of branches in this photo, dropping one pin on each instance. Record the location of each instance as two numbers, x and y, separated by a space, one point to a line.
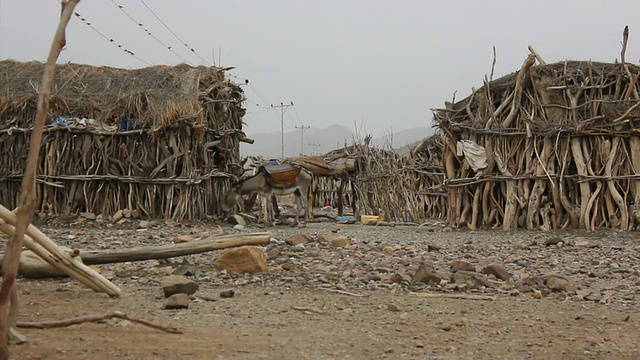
163 140
550 146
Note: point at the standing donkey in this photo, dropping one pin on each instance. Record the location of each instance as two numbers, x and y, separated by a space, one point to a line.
282 179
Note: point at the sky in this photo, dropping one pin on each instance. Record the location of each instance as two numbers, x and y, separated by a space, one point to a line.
375 66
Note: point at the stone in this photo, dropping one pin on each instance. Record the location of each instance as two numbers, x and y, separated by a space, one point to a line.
298 239
557 284
427 274
236 220
117 216
585 243
244 259
227 294
393 308
553 241
496 270
399 278
537 294
33 266
126 213
143 224
89 215
177 301
339 241
461 265
183 239
135 213
445 327
470 279
176 284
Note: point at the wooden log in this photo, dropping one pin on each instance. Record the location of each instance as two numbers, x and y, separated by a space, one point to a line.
515 105
44 247
585 188
173 250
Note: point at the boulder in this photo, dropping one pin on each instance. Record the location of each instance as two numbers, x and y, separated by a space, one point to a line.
176 284
244 259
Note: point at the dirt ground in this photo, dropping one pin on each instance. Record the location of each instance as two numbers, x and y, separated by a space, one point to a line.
354 310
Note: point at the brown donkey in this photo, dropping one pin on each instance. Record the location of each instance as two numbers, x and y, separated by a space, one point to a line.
269 181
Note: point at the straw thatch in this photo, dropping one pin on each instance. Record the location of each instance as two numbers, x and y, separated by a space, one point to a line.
162 140
561 145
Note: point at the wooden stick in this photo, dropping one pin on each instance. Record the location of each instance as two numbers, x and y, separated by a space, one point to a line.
453 296
95 318
44 247
343 292
173 250
308 310
28 189
538 57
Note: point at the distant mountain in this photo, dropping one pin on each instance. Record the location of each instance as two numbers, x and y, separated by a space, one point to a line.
333 137
269 145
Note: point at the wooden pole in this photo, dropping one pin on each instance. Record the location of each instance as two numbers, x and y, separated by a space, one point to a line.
28 190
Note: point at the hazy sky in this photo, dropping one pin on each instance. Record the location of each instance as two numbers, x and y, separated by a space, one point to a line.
377 66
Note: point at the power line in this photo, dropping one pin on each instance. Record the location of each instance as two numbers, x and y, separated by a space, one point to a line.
109 39
174 34
282 107
149 32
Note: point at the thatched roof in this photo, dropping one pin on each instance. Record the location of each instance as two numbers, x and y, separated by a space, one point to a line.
569 96
155 96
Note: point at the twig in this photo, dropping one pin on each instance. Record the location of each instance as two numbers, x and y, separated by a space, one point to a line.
94 318
453 296
307 310
344 292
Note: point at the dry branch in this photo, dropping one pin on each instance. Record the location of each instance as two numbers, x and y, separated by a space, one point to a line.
173 250
95 318
453 296
28 190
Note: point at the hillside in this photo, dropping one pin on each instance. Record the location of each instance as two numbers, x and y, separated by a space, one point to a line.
330 138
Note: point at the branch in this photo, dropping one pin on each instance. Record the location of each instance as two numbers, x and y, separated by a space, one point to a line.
28 189
94 318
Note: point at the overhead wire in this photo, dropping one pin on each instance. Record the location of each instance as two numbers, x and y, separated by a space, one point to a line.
112 41
149 32
174 34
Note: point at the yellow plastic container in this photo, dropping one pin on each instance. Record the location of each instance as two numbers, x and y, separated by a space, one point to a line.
364 218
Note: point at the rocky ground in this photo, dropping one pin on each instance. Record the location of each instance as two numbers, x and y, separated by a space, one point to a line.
351 291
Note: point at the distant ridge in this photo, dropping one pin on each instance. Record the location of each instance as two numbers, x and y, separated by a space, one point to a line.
333 137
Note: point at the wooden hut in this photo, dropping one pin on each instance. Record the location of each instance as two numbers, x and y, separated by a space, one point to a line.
550 146
162 140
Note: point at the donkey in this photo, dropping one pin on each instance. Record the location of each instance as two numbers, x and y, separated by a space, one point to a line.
264 184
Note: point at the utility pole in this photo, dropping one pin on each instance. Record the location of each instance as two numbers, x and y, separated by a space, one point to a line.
283 108
302 129
314 145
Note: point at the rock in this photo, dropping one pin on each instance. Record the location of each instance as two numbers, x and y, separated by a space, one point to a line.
393 308
227 294
399 278
176 284
135 213
537 294
557 284
427 274
585 243
244 259
126 213
553 241
183 239
117 216
339 241
470 279
33 266
298 239
236 220
177 301
461 265
496 270
143 224
89 215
